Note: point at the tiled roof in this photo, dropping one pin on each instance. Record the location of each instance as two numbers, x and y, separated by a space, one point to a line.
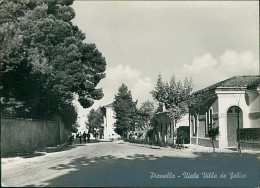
236 81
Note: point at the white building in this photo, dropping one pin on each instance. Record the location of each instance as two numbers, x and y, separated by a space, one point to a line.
230 105
109 121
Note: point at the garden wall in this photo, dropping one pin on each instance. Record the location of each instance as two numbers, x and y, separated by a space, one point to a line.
204 142
25 136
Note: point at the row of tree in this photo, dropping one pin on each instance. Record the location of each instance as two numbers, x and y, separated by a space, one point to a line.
173 95
128 116
44 61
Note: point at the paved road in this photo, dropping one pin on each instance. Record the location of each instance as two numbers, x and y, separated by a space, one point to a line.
124 164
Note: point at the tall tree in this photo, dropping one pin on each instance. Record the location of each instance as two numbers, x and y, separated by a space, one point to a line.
144 114
174 95
125 111
95 119
44 60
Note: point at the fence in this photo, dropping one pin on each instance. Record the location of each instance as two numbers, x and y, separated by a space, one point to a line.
249 138
25 136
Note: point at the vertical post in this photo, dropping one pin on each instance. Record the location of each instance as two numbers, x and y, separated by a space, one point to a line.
196 129
172 131
59 142
175 132
238 132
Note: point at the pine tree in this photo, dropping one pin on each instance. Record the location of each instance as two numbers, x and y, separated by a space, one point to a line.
95 119
144 114
125 111
45 61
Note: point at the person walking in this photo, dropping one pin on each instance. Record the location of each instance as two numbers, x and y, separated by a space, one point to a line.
80 137
84 137
88 135
77 136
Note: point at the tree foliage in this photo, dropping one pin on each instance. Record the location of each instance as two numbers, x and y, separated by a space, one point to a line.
174 95
213 133
95 119
45 61
144 114
200 101
125 110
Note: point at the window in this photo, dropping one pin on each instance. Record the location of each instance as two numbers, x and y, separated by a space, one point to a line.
209 121
234 110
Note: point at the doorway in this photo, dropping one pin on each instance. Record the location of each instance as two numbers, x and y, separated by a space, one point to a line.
234 118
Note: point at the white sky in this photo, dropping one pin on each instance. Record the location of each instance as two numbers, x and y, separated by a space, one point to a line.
207 40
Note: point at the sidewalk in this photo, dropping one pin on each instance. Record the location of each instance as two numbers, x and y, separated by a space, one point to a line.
194 148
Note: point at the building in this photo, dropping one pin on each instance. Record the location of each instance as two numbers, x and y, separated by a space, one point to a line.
230 105
167 129
109 120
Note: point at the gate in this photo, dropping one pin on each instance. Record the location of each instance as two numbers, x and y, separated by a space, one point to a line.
249 138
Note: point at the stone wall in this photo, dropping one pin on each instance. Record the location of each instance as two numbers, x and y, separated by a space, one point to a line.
204 142
23 136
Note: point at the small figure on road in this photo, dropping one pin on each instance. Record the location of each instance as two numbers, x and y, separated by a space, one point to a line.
96 135
84 137
88 135
71 139
80 137
77 136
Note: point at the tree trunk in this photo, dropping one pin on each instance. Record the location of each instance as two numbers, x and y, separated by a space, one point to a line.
197 131
213 145
126 135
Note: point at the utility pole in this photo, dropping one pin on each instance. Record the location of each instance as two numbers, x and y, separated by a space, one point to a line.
238 132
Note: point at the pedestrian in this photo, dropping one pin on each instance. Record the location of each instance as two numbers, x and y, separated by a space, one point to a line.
77 136
80 137
88 135
84 137
70 139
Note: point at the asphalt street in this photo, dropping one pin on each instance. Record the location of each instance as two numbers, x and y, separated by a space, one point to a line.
118 164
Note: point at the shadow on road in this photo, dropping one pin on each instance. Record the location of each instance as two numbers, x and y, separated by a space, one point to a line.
24 155
75 144
43 151
136 170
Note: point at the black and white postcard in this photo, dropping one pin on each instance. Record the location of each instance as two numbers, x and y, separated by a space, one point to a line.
129 93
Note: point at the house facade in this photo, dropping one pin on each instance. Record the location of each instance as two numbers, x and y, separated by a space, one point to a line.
167 129
230 105
109 121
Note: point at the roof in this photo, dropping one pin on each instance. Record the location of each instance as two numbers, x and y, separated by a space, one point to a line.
163 112
236 81
110 105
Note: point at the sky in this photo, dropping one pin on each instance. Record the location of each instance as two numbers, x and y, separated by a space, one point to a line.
207 40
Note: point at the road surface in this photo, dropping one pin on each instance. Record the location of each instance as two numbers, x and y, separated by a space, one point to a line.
123 164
